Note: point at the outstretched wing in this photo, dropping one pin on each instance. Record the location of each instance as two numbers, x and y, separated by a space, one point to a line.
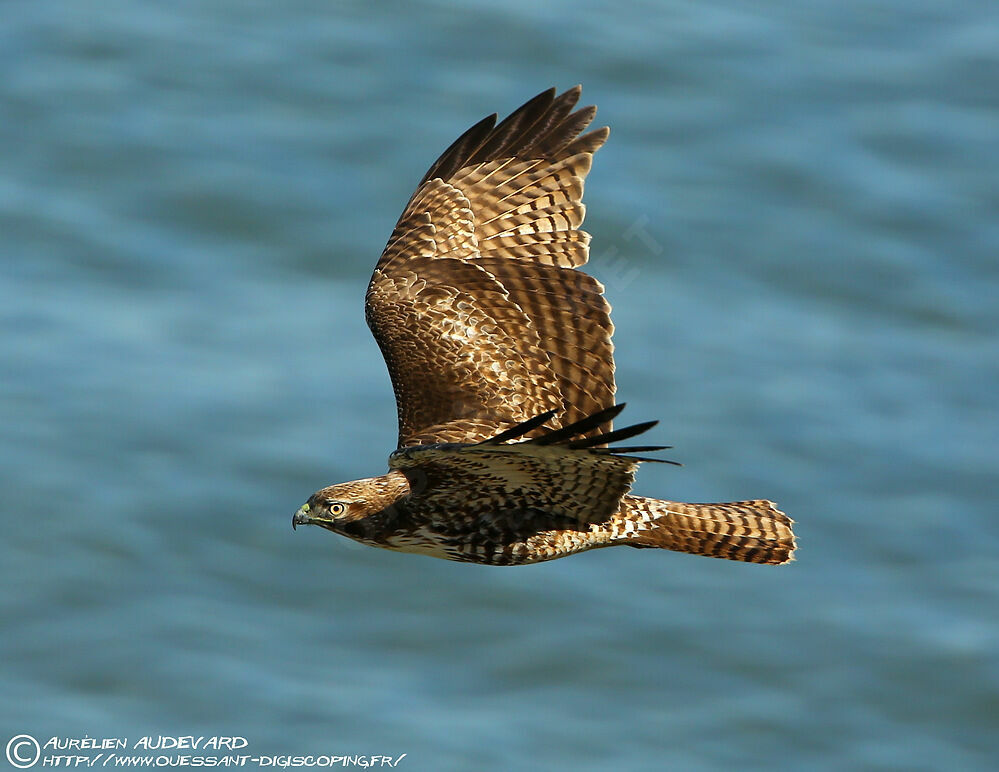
475 303
562 474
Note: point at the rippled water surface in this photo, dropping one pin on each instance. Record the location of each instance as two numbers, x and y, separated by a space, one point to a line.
796 221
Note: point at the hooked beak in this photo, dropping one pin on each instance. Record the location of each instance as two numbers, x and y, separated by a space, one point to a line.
301 517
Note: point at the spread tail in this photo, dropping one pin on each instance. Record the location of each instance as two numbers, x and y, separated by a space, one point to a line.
751 531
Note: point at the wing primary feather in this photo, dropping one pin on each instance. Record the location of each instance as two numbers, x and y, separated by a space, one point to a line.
580 427
650 460
559 137
452 159
550 133
632 449
615 436
520 429
518 123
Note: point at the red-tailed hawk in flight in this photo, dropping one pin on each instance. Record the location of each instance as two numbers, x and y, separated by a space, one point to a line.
501 359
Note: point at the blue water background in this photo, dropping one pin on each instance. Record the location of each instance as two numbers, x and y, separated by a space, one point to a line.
797 221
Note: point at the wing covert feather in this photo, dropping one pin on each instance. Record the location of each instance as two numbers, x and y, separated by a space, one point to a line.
576 485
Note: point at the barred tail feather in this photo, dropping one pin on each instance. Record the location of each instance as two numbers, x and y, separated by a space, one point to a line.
750 531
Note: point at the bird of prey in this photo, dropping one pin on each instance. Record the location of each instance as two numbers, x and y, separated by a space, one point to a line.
500 355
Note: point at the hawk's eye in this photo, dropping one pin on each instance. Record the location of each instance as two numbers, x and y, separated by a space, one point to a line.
336 508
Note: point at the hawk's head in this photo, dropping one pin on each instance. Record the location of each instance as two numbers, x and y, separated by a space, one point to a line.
337 506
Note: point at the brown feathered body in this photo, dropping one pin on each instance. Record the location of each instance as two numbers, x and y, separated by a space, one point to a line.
500 355
491 511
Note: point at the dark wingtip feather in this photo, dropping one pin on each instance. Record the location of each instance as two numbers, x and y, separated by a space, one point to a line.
633 449
615 436
543 126
653 460
590 422
519 430
462 148
518 123
627 453
581 426
590 142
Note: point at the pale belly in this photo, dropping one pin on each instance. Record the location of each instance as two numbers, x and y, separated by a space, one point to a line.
538 547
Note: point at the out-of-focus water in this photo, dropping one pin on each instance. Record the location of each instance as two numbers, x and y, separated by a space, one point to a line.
797 220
